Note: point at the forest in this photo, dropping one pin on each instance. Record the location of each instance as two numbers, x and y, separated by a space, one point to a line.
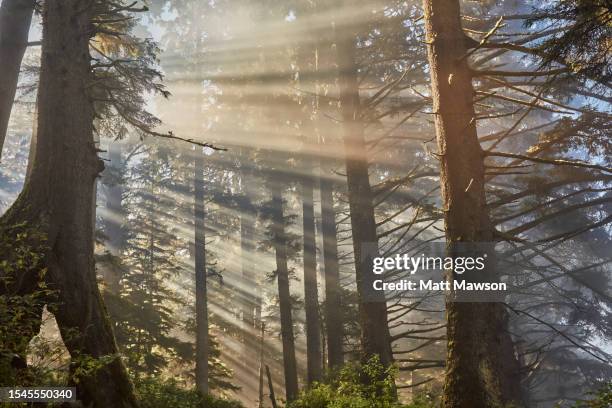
199 201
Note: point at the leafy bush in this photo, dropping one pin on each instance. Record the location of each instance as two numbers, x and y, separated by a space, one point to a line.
156 393
369 385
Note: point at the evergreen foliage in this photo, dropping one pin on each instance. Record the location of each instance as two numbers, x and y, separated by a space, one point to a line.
158 393
368 385
585 45
243 79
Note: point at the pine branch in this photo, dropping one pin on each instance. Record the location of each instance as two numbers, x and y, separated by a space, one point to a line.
168 135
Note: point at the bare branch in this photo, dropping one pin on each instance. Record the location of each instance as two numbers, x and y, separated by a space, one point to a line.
555 162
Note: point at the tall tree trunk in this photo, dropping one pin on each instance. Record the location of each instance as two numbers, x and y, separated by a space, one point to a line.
307 66
57 202
311 293
15 20
284 295
481 368
113 222
333 307
307 63
375 338
260 399
199 213
271 388
248 299
33 138
200 278
247 247
325 78
114 200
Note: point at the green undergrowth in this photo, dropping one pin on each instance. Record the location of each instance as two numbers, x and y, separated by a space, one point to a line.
23 293
368 385
601 399
156 393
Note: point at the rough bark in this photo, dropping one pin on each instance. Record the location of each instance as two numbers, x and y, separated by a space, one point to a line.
57 202
284 295
15 20
481 368
333 307
201 369
375 339
311 293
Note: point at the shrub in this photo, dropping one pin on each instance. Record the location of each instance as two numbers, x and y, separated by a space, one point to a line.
370 385
156 393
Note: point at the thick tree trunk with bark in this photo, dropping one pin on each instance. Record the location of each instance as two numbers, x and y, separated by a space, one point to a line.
15 20
333 307
311 293
200 278
57 202
284 295
481 368
375 338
